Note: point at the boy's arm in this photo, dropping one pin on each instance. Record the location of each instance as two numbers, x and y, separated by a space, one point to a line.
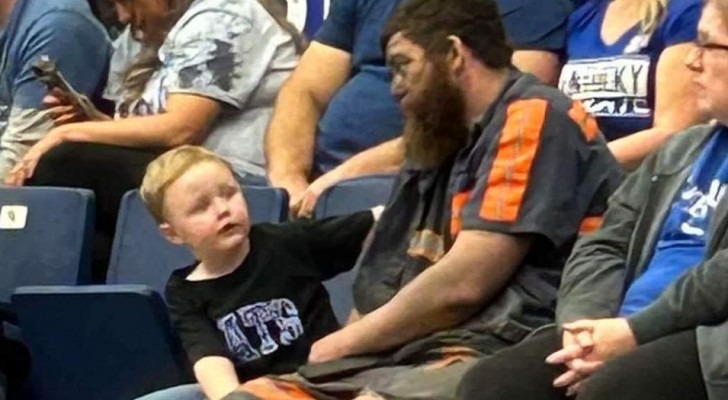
335 243
217 376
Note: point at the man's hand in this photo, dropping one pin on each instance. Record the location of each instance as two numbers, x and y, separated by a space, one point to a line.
304 204
294 184
332 347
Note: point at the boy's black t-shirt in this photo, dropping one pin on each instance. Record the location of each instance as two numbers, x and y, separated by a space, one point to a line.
265 315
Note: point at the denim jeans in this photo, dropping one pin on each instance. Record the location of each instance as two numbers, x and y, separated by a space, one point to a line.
183 392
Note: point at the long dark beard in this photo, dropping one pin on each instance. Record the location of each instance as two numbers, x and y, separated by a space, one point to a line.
435 126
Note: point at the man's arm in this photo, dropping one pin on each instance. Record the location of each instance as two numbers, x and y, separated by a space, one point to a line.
382 159
446 294
217 376
289 142
545 65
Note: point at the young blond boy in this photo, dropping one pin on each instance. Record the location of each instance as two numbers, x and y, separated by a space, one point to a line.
253 303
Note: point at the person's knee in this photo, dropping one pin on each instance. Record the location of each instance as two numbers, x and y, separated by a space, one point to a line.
475 383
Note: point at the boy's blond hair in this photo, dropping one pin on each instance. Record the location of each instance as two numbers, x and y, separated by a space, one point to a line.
166 169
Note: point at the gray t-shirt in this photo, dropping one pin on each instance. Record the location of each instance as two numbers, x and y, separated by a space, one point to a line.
231 51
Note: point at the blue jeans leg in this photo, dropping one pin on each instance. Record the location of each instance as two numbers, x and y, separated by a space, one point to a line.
183 392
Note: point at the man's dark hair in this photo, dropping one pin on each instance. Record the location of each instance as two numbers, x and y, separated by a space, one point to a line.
428 23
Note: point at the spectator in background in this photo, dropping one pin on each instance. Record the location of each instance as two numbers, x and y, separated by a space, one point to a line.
337 102
625 63
208 74
501 173
65 31
644 300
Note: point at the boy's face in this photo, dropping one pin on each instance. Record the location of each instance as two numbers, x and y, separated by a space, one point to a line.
205 210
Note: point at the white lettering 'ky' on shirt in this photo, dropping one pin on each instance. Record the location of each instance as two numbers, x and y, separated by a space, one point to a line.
609 87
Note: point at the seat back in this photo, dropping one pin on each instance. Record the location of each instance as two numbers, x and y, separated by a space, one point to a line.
345 198
98 342
141 255
354 195
45 237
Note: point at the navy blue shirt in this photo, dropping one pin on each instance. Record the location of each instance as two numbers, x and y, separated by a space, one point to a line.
685 232
616 82
364 113
64 30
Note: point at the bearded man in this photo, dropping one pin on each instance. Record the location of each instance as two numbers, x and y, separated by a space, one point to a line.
502 174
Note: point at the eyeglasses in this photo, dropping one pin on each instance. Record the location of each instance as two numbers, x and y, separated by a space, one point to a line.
701 47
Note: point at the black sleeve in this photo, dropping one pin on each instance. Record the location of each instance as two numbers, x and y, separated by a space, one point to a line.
200 337
335 243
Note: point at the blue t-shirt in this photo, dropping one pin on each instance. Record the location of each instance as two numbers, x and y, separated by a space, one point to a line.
616 82
363 113
64 30
685 233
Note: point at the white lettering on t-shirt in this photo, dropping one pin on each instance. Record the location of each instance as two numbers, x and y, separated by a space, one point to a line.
700 205
273 323
609 87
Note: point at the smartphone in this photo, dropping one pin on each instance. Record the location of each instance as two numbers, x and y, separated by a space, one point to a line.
46 72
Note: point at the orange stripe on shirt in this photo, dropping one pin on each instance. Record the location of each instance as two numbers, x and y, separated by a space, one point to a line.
456 219
590 224
586 122
274 389
517 148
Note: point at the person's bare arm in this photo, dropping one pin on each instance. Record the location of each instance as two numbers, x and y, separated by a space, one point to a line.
382 159
217 376
444 295
675 109
186 121
545 65
289 143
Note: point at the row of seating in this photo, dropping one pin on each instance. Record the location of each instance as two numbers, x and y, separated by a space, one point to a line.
120 333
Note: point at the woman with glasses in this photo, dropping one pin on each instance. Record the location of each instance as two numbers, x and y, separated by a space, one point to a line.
625 62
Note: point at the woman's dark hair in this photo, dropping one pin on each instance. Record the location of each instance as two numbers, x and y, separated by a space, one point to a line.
428 23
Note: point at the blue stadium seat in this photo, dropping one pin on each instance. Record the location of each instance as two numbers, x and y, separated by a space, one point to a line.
115 341
345 198
140 254
45 237
99 342
354 195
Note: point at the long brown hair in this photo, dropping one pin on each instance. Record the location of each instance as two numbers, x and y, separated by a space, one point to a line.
652 13
147 62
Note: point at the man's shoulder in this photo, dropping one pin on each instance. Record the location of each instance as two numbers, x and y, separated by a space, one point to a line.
57 13
530 95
